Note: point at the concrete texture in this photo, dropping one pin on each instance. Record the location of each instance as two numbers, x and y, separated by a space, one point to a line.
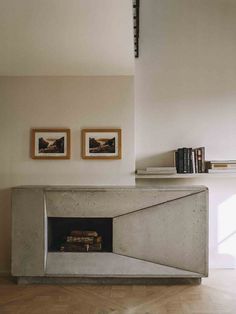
108 265
28 248
162 225
107 202
173 233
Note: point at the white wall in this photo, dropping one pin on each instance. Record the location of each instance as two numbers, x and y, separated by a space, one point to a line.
72 102
185 94
61 37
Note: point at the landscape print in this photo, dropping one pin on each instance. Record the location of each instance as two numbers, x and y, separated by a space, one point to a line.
50 143
101 143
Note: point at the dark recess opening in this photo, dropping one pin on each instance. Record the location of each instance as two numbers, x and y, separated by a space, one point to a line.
59 228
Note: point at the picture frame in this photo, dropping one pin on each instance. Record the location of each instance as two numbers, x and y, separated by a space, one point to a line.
101 144
50 143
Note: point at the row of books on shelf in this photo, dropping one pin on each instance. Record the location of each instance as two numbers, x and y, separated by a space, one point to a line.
192 160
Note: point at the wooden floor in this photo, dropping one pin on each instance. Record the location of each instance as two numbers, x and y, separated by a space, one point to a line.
216 295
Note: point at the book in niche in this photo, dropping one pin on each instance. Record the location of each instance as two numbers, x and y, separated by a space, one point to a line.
86 233
82 241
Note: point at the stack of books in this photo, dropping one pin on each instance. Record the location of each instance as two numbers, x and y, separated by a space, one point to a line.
82 241
190 160
158 171
221 166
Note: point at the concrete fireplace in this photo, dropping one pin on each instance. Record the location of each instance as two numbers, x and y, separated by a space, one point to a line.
157 234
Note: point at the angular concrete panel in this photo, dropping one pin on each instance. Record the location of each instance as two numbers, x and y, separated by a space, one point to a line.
28 246
108 264
107 202
174 233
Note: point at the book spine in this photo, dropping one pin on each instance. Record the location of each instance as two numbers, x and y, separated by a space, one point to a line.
189 161
199 159
181 160
80 239
73 247
193 162
203 159
185 160
79 233
176 161
84 240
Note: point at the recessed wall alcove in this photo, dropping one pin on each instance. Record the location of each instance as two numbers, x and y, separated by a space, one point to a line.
148 233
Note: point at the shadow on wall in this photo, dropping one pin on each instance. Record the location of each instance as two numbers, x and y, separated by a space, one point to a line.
5 230
165 159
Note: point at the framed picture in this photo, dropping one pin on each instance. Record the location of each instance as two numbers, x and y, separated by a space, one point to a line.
101 144
50 144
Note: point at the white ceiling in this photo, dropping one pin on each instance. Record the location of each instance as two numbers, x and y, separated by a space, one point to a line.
66 37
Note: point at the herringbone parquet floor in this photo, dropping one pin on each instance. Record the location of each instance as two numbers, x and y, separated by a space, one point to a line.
216 295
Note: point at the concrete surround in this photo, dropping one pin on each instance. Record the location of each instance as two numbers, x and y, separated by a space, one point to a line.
159 232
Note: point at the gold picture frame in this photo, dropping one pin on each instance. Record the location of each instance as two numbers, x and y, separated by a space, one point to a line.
50 143
101 144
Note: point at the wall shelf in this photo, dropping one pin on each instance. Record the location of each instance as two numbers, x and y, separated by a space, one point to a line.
186 176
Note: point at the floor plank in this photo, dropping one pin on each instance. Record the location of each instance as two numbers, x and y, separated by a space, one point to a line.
216 295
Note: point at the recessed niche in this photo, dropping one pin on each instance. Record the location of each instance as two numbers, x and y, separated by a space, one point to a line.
79 234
